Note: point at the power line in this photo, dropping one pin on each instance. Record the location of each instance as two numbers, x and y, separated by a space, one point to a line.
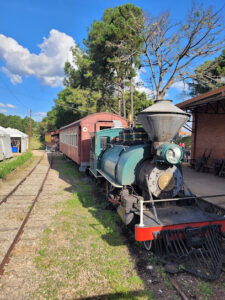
72 108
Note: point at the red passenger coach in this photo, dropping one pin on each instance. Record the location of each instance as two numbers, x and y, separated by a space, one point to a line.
75 138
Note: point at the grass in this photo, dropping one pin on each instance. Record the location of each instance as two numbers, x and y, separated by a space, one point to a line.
36 144
7 167
82 253
206 290
165 277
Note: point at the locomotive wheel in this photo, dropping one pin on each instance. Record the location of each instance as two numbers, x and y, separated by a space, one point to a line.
148 245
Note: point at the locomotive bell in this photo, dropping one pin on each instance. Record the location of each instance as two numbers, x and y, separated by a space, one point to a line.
162 121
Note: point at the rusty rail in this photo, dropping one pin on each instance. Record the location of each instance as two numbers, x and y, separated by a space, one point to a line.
20 231
178 289
16 187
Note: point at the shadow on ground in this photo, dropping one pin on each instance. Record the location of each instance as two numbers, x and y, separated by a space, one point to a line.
116 296
120 235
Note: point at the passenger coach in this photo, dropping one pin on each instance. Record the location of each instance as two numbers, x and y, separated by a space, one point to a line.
75 138
52 140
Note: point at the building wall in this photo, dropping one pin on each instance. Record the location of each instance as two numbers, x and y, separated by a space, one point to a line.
210 136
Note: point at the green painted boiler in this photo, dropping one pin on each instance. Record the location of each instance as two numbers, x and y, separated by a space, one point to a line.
119 163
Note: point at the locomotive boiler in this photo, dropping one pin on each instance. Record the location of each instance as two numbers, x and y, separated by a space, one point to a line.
143 175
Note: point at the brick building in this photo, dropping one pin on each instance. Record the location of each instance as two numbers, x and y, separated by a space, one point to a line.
208 123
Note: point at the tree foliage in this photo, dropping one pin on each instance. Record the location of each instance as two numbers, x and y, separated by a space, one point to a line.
140 102
71 105
114 48
209 75
80 76
17 122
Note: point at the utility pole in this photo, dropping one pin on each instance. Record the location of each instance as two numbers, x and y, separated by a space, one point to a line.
30 130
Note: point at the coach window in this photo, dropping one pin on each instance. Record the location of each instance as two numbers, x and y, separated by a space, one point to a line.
75 139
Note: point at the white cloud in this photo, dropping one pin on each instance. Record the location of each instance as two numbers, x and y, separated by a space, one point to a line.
167 96
10 106
140 84
3 110
38 116
47 66
14 78
7 105
180 86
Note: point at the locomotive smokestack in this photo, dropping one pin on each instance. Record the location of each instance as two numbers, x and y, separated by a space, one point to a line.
162 121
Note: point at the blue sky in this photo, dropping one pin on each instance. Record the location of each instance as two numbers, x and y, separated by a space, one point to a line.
34 40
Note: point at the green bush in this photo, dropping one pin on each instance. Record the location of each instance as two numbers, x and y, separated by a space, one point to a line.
8 167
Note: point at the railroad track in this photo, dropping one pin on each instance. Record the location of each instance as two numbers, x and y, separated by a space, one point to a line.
21 181
16 207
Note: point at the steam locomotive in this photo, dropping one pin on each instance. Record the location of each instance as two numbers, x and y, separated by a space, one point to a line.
141 169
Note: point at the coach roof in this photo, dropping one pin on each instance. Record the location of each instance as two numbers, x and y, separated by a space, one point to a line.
78 122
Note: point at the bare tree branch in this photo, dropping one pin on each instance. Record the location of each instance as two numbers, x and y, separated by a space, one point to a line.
172 49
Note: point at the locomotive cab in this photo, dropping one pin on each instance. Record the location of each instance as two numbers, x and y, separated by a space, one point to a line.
99 142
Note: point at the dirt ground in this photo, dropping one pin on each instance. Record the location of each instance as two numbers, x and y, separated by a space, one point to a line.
22 278
18 279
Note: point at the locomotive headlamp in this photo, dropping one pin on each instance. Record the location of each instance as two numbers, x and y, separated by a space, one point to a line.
171 153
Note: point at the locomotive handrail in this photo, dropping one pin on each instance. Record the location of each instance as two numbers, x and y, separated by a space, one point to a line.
141 224
185 198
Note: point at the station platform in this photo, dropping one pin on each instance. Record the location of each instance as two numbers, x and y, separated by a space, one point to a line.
203 184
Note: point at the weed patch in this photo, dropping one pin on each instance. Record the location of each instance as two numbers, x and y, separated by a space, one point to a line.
10 166
206 290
